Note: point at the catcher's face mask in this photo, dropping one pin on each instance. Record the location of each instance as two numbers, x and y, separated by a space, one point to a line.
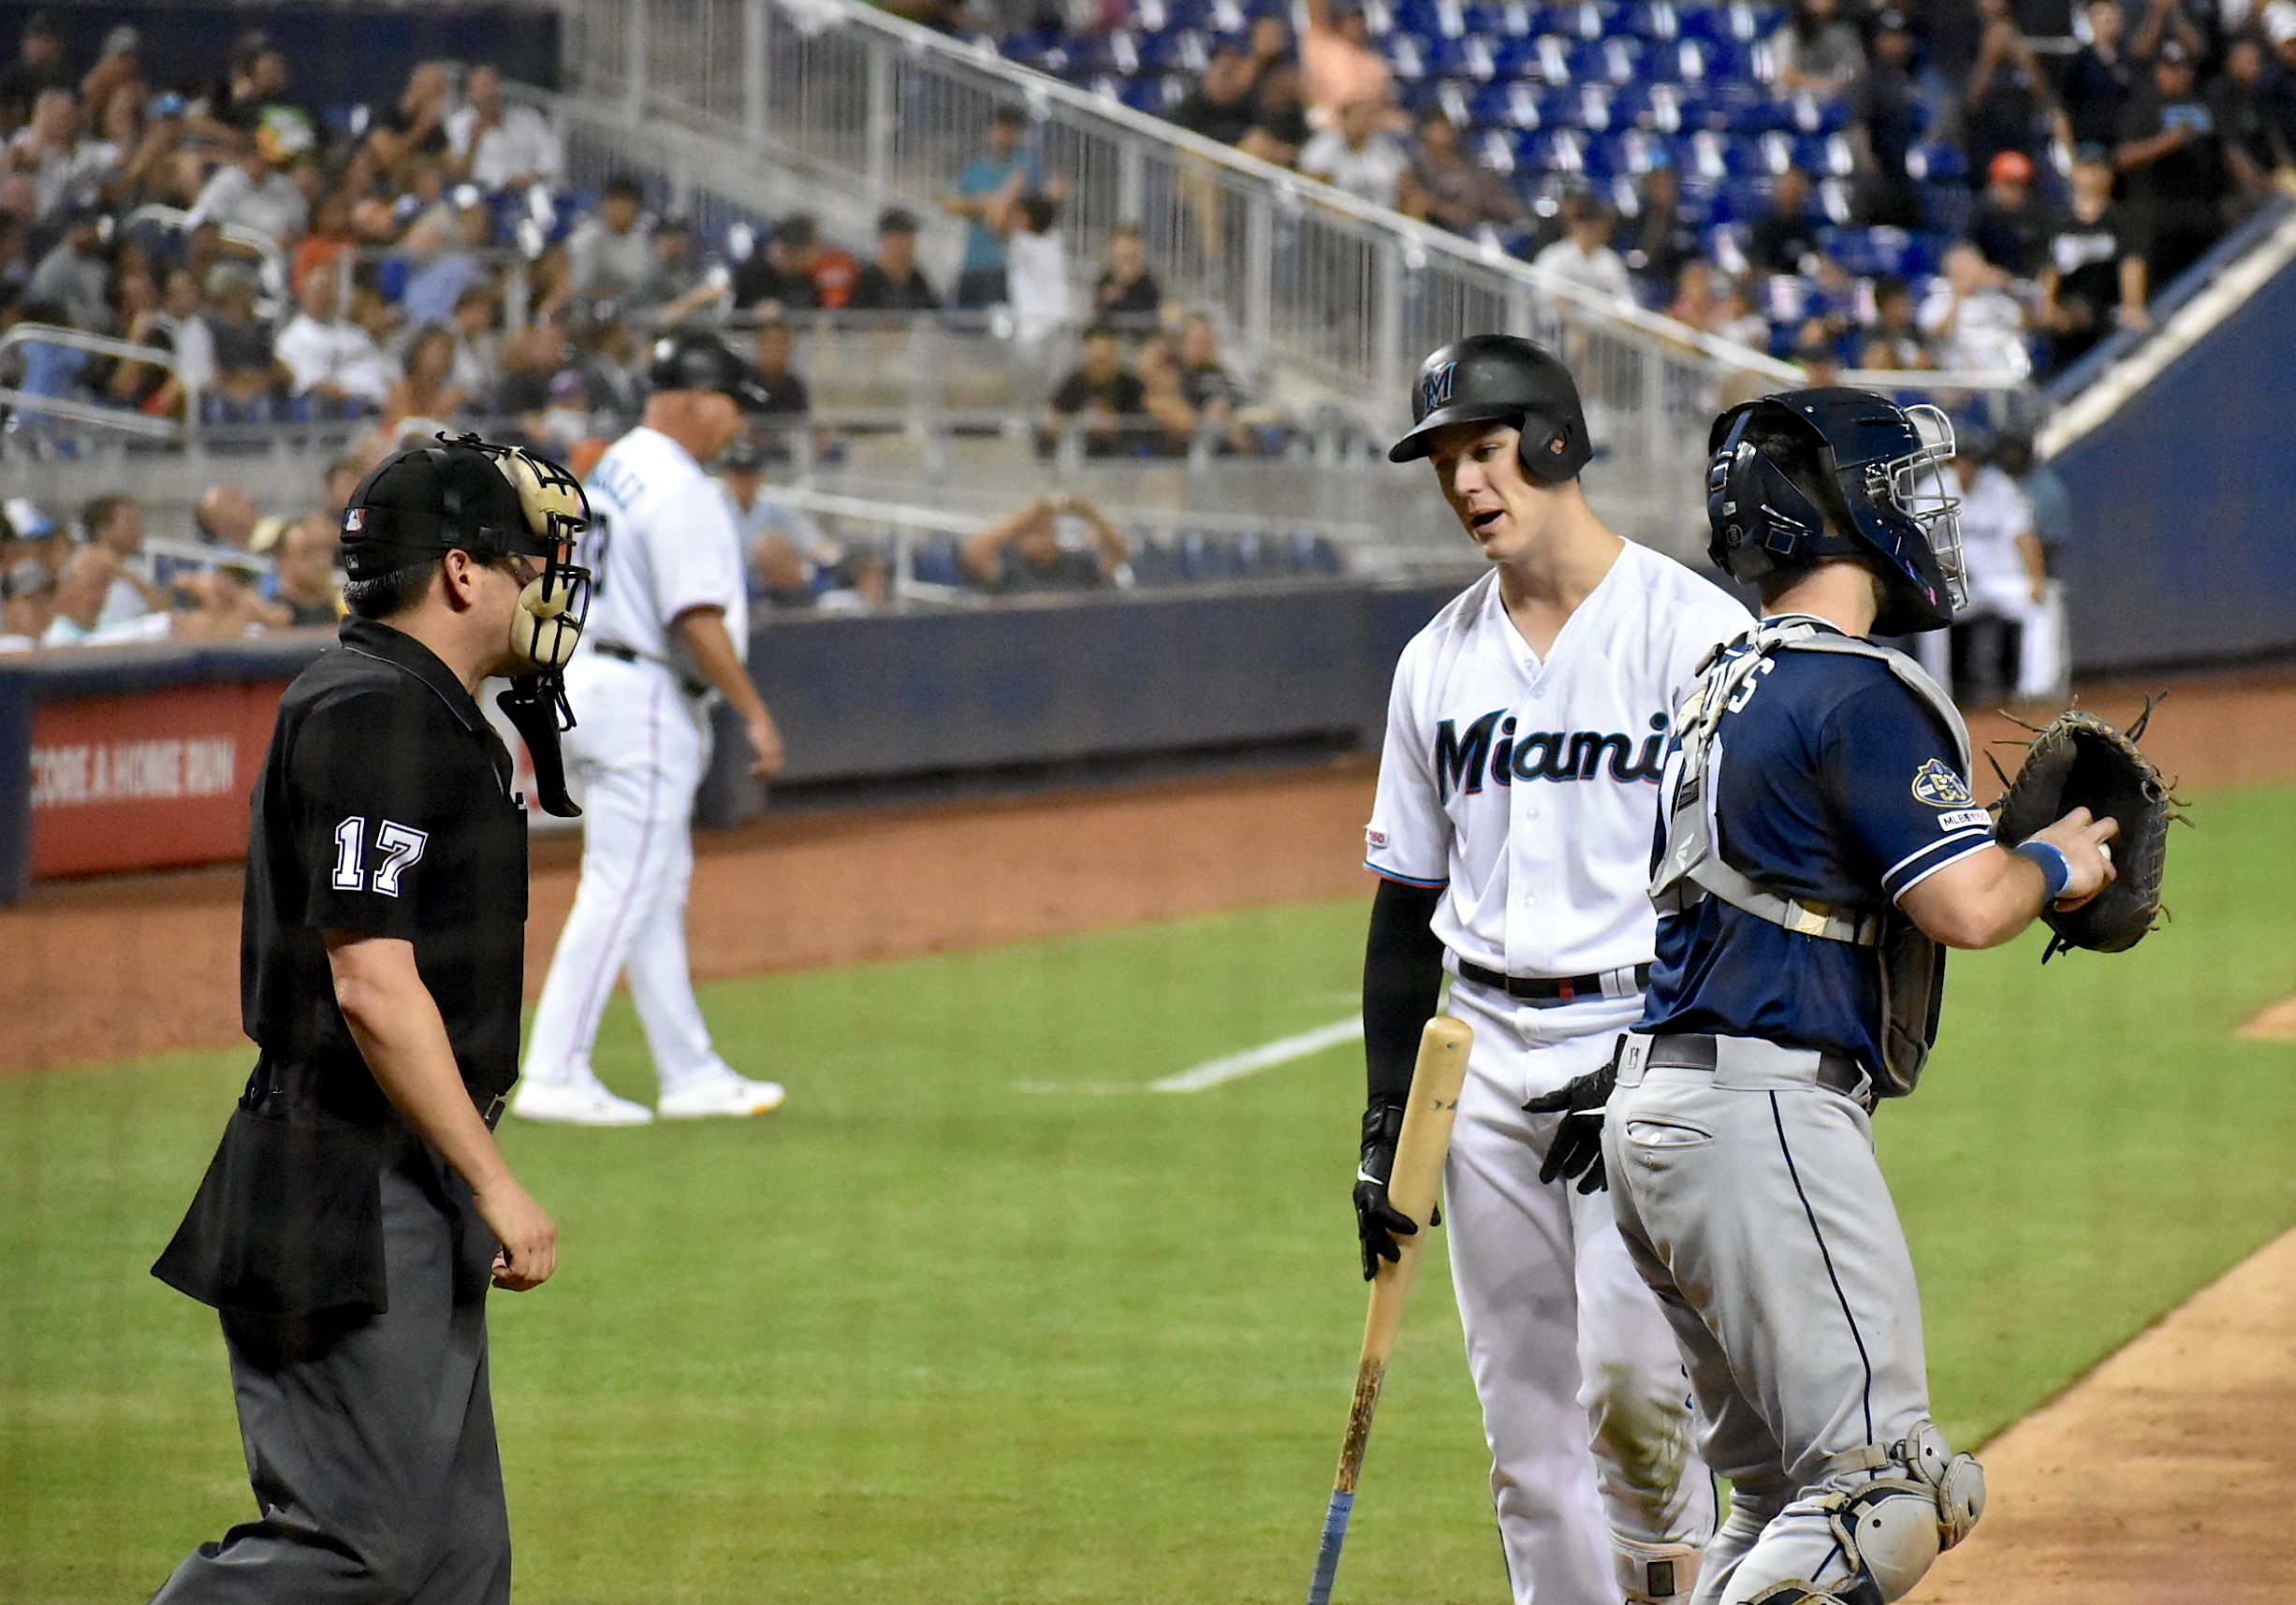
554 604
1920 485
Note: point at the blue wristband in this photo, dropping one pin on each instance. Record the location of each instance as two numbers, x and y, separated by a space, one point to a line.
2056 868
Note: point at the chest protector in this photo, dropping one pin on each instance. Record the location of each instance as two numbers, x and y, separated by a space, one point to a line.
1692 867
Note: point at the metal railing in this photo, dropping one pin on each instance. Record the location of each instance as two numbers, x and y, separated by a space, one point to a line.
723 100
29 408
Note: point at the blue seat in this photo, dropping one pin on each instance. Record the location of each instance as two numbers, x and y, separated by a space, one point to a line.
1615 60
1584 19
1146 93
1312 553
1403 57
1517 103
1462 58
1181 50
1586 106
1824 155
1433 18
1205 554
1559 151
1654 19
1748 198
1503 18
937 560
1153 564
1114 52
1934 162
1495 149
1695 203
1453 97
1819 114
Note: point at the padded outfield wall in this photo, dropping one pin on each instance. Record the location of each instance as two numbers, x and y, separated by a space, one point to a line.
144 757
2184 549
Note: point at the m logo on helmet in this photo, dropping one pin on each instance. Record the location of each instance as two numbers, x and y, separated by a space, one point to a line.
1435 391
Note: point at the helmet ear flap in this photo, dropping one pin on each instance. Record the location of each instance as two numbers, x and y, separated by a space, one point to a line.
1759 520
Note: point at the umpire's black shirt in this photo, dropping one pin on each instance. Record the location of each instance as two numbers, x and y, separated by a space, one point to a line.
384 807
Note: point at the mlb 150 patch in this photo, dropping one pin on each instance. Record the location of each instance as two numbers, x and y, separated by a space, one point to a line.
1936 784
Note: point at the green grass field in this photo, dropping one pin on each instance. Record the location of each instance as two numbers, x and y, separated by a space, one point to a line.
976 1319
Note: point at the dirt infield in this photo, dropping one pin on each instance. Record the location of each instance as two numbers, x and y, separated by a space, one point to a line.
2158 1480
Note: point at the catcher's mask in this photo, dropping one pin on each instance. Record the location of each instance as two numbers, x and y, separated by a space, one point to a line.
1501 378
494 502
1883 493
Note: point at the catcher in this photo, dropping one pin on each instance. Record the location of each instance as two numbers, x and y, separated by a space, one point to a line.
1819 849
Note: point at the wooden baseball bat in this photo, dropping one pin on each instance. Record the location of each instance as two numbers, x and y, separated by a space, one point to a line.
1414 1186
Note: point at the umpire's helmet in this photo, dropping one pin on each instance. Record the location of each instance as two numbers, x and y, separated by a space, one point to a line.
695 359
459 494
1841 472
1488 377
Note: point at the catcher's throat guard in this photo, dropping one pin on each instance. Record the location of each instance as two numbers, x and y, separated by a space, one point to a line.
1885 495
1691 866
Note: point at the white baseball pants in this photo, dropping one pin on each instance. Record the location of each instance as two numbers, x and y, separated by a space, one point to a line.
635 758
1761 1218
1586 1404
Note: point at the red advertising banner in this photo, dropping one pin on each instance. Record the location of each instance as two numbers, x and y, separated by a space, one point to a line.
147 781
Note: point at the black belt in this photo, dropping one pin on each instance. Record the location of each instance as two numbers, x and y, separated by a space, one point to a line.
632 655
1544 991
1837 1072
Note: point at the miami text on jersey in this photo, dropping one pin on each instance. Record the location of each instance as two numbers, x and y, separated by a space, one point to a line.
1491 742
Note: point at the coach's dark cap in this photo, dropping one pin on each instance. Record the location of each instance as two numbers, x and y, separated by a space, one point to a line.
695 359
896 220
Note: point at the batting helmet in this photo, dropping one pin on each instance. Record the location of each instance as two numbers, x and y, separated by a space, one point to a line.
1840 473
1489 377
695 359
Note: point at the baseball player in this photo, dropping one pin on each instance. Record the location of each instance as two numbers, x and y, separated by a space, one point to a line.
667 632
359 1207
1818 845
1512 836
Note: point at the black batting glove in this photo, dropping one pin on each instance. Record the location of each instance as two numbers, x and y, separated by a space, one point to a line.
1378 1223
1577 1147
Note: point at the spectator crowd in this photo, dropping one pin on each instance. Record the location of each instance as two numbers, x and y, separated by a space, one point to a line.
1967 184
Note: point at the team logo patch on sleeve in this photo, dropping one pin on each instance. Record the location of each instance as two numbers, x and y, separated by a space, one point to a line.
1374 839
1937 785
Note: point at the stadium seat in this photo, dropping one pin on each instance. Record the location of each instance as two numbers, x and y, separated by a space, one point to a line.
1495 150
1453 97
937 560
1824 155
1116 52
1403 57
1617 60
1514 104
1431 19
1587 106
1467 58
1584 19
1505 19
1180 50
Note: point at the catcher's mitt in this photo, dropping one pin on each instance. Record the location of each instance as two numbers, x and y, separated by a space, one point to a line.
2082 761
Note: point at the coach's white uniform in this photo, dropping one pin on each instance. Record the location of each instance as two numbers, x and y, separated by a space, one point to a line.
662 540
1528 789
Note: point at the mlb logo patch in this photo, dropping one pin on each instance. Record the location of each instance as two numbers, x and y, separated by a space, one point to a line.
353 520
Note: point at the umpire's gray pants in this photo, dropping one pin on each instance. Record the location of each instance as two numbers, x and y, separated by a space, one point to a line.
370 1442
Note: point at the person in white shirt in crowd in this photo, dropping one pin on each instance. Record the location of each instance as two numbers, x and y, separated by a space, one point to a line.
2009 588
498 146
114 526
62 166
1036 269
256 192
1583 257
1358 155
178 315
330 357
612 253
27 604
79 596
1974 324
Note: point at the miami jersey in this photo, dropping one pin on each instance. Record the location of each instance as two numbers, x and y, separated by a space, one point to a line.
1527 787
661 543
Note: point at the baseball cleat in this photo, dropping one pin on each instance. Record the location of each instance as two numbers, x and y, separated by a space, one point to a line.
726 1094
575 1104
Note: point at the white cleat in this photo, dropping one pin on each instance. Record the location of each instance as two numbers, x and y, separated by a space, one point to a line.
585 1102
726 1094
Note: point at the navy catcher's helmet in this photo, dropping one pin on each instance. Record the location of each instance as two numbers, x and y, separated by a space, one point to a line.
695 359
1883 495
1488 377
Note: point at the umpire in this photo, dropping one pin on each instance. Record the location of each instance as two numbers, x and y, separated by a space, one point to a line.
357 1207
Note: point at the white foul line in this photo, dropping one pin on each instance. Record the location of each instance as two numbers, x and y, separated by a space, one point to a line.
1283 1051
